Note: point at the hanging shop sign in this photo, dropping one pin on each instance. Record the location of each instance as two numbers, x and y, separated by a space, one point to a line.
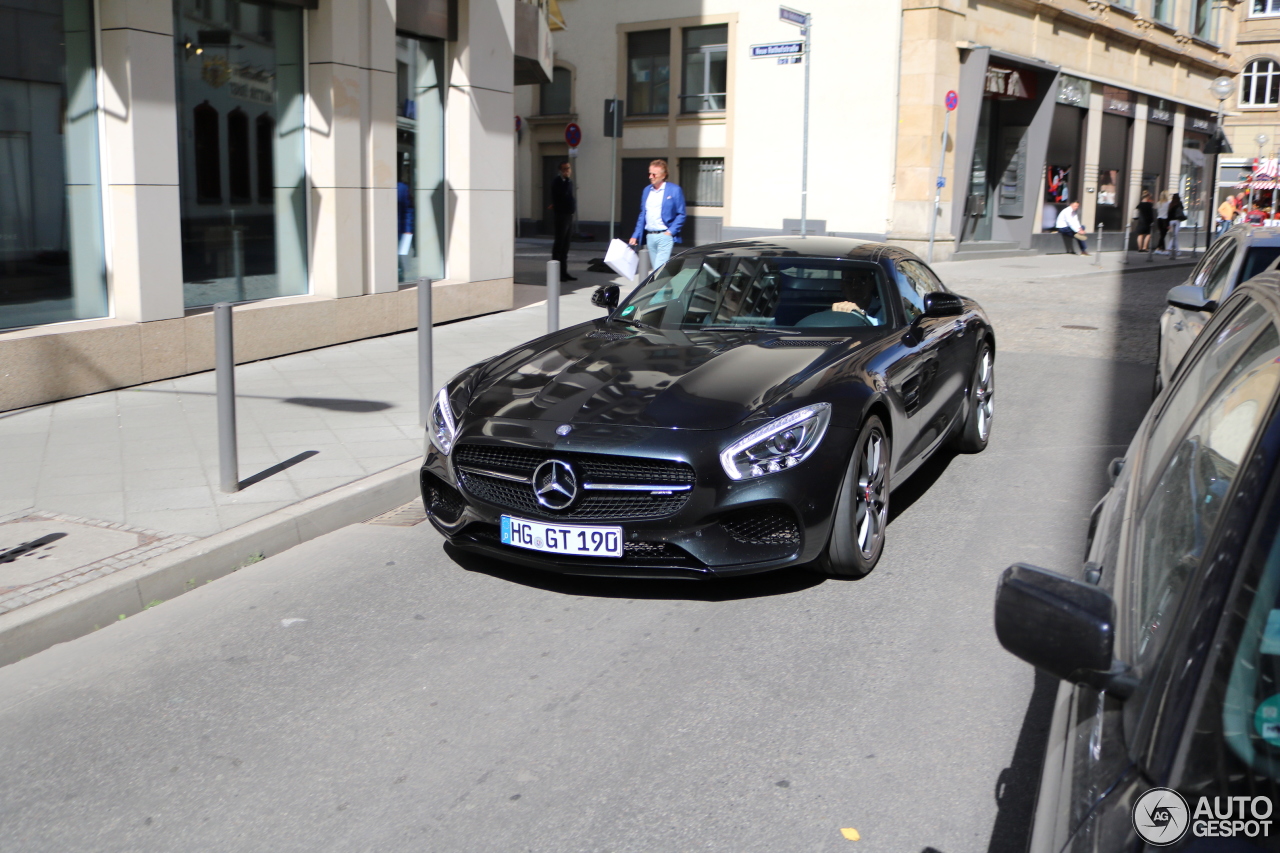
1118 101
1160 111
1009 83
1073 91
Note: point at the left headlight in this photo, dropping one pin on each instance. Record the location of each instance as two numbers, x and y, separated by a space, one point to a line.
442 429
780 444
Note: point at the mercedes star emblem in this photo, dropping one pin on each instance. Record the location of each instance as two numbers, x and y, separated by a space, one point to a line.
554 484
564 429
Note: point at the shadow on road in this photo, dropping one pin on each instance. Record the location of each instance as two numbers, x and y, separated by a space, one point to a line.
780 582
1017 786
920 483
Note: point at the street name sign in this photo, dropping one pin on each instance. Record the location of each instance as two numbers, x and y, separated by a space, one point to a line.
786 48
792 16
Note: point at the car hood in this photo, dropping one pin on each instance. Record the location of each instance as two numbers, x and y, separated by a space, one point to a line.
602 373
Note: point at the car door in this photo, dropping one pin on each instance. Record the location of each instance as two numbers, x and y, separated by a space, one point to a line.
918 378
1148 548
1181 326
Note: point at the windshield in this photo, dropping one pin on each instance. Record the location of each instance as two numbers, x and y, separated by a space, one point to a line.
701 291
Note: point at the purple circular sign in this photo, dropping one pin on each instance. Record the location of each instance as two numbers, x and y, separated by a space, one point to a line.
952 100
572 135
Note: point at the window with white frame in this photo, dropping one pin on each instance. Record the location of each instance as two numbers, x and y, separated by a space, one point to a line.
1260 84
1264 8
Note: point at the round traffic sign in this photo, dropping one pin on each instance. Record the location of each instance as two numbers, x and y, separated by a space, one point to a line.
952 100
572 135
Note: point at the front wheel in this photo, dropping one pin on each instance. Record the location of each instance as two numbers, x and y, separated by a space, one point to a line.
981 404
862 508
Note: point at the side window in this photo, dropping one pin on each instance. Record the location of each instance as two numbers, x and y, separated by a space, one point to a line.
1217 277
913 283
1177 523
1207 262
1218 346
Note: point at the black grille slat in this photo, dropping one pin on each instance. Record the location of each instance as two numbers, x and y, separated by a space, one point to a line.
764 526
785 343
594 467
519 498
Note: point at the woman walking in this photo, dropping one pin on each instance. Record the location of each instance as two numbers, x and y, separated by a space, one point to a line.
1162 221
1146 215
1177 215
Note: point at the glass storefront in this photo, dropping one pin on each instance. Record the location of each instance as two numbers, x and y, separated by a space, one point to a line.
51 246
420 188
241 145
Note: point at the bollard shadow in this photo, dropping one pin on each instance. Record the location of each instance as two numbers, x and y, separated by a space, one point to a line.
780 582
277 468
333 404
1018 784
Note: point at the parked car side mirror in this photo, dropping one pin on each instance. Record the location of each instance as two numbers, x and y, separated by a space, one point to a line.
1064 626
1191 297
942 304
606 296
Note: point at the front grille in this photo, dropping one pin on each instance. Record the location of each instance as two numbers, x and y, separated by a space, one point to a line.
591 467
518 497
635 553
763 526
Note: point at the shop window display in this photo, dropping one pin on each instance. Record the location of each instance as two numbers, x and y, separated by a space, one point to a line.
420 188
51 244
241 151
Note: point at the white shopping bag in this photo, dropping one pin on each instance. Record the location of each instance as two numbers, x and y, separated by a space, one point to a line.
622 259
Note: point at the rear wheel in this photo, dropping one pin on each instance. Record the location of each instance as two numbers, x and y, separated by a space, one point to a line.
862 508
981 403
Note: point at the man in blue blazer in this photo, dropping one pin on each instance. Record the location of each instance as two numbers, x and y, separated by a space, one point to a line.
661 214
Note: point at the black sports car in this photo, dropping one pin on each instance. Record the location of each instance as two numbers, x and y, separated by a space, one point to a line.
747 407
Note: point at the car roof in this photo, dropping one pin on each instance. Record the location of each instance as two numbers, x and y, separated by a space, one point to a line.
1256 235
796 246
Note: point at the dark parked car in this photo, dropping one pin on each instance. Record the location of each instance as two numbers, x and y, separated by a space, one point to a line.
1168 640
747 407
1235 257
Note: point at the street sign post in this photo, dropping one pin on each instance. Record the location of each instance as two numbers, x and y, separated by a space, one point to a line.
951 101
572 135
613 128
788 53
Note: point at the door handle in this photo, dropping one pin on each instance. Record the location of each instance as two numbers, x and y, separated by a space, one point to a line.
959 328
1178 326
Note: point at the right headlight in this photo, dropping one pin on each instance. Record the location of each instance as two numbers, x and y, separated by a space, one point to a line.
443 429
780 444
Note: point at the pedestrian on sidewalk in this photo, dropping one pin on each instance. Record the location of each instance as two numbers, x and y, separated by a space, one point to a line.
1227 214
563 206
1162 221
1072 231
1177 216
1145 213
661 214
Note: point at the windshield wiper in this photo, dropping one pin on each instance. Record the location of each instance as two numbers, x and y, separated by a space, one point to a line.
635 323
731 327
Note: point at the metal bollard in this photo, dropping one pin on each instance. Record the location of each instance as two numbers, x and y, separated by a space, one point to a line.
237 259
225 374
1124 259
1097 251
645 267
426 388
553 296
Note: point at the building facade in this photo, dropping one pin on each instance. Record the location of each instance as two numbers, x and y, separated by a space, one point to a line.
730 126
1055 102
307 159
1252 121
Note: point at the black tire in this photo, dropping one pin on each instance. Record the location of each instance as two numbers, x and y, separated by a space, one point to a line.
862 508
980 404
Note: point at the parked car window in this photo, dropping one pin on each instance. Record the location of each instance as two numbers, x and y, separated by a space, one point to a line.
1177 522
1220 345
1256 260
1234 745
914 281
1210 259
794 293
1218 275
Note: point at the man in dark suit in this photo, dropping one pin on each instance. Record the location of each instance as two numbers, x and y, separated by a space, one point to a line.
564 207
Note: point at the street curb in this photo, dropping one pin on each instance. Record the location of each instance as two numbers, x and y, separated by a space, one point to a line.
83 609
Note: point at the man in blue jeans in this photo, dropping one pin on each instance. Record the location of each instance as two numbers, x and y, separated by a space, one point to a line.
661 214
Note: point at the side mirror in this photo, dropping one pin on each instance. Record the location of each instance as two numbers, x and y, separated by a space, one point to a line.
606 296
1191 297
942 305
1064 626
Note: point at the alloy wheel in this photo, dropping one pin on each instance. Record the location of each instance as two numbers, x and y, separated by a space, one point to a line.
872 501
984 396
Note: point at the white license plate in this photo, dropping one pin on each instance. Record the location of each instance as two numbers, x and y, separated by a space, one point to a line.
573 539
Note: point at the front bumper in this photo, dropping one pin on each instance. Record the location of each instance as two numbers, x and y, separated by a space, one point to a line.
723 528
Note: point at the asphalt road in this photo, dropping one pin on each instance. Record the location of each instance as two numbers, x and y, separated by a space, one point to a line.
370 691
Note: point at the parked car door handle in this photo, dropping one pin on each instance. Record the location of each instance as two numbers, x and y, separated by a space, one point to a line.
1179 326
959 328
